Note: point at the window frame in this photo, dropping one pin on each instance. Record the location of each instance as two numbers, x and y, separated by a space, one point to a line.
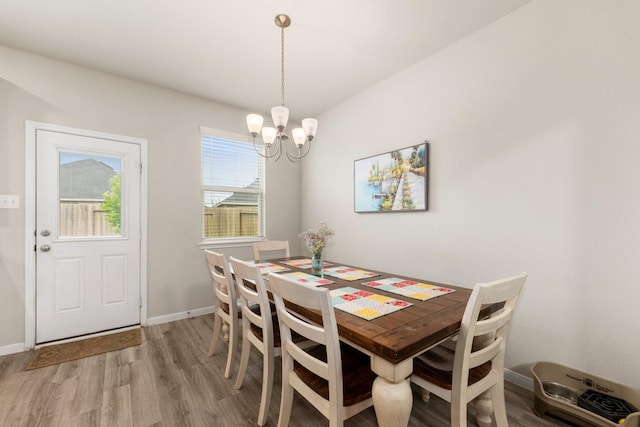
212 242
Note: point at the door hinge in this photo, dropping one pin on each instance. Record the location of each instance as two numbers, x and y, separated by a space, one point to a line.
140 166
140 302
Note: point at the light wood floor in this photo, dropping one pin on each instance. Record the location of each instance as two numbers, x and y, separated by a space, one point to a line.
170 381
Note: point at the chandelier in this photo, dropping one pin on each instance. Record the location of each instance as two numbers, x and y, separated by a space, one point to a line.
275 138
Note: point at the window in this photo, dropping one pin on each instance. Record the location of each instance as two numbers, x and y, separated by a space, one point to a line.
232 188
88 194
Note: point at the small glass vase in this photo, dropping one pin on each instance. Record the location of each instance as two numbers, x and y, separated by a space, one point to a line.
317 264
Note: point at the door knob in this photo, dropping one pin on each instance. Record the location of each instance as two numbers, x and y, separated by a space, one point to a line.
45 248
45 233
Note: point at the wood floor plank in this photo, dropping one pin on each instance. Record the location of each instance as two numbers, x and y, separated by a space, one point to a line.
87 419
170 381
90 374
144 402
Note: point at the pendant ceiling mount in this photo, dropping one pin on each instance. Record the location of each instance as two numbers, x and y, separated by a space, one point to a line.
283 21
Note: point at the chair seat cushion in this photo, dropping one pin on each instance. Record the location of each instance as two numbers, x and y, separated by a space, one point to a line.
436 367
357 377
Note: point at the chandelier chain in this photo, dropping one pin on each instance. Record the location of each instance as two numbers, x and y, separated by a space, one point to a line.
282 67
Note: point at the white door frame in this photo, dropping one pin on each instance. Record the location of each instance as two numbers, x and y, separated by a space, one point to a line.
30 219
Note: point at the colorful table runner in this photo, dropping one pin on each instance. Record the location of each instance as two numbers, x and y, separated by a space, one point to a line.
348 273
308 279
303 263
364 304
268 267
409 288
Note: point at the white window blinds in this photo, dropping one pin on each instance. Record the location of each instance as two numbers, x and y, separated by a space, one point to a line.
232 188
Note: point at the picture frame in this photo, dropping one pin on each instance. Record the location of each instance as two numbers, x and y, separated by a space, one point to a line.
395 181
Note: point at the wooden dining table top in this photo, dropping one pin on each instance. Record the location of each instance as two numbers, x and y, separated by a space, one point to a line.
404 333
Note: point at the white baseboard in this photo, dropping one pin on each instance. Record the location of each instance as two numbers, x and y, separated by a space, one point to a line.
178 316
518 379
12 348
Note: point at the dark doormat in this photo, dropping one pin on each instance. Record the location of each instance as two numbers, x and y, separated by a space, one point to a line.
59 353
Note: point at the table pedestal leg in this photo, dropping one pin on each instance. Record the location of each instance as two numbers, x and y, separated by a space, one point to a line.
225 325
391 393
392 402
225 331
484 409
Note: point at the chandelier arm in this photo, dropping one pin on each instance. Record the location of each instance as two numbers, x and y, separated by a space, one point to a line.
279 152
300 156
267 156
276 156
292 159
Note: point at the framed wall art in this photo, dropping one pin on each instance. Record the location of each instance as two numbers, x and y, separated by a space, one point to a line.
396 181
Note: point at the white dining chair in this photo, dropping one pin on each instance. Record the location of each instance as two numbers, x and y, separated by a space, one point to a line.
336 379
257 329
270 249
474 369
226 308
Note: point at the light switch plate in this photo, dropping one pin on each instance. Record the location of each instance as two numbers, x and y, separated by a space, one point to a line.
9 201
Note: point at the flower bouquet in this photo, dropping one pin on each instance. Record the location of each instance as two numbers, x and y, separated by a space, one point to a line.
316 241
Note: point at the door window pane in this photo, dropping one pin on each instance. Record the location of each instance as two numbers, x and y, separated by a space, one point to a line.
89 195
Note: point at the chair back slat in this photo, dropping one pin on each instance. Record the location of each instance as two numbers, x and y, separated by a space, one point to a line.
314 364
311 332
485 354
493 323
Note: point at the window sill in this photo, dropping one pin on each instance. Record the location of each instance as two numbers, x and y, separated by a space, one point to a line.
229 243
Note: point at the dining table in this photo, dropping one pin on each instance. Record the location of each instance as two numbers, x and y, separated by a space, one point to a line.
391 340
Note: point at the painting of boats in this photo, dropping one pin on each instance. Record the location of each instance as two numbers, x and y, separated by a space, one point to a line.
396 181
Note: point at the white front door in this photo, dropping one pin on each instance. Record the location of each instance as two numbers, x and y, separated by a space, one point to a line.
87 235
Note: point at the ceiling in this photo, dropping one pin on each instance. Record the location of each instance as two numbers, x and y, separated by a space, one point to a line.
229 50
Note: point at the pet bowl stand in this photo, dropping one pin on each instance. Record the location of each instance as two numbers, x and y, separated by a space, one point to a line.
578 382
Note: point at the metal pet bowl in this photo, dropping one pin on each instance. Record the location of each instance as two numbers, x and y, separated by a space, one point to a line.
561 392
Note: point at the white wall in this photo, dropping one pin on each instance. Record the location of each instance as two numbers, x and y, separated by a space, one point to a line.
534 130
39 89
